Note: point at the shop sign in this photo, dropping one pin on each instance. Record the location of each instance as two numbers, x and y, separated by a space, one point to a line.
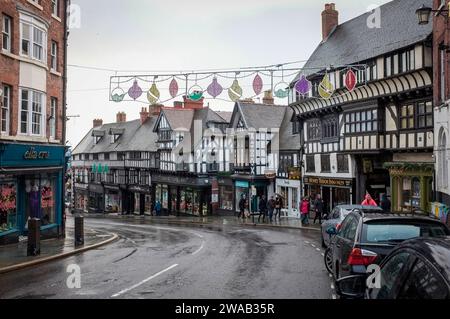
32 154
270 174
214 198
328 182
295 174
242 184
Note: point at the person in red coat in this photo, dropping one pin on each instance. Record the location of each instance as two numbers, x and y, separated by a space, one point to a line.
368 201
304 211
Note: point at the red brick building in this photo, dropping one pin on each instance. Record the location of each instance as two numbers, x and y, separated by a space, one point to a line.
33 45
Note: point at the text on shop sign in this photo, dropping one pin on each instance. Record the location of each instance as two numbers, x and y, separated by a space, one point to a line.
32 154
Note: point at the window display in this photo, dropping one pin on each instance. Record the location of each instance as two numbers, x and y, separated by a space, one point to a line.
8 206
48 200
112 202
226 197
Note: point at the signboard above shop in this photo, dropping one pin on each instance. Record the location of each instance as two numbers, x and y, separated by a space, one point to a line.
26 155
332 182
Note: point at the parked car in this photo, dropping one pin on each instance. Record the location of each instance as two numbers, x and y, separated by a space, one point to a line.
367 238
415 269
337 216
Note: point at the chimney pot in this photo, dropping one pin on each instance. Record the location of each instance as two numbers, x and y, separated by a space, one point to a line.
330 20
97 123
121 117
268 98
144 115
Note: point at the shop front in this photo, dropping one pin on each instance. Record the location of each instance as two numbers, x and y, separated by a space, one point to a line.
81 197
252 189
96 203
31 186
141 199
412 186
290 193
226 196
113 199
181 195
333 191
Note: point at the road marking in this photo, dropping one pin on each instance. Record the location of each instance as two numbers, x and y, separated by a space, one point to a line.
318 249
331 275
333 296
313 245
198 235
307 242
143 281
198 250
332 286
323 255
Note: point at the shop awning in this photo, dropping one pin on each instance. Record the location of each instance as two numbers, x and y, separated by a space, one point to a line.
30 170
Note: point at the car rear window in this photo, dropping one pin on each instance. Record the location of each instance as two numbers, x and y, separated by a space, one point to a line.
395 231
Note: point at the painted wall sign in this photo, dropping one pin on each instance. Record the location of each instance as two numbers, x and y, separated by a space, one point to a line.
328 182
32 154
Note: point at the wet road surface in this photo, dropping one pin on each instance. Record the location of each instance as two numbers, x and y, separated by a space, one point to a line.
180 262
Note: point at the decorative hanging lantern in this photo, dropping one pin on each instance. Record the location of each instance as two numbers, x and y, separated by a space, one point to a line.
135 91
326 89
173 88
350 80
258 84
303 86
153 94
281 90
117 95
195 93
235 91
215 89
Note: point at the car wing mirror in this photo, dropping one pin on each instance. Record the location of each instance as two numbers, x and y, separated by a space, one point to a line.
352 287
332 231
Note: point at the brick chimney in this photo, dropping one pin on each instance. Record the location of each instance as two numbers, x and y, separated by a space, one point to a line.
178 104
268 98
121 117
330 20
97 123
192 105
155 109
144 115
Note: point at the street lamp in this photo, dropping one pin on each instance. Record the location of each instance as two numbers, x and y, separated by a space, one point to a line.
424 13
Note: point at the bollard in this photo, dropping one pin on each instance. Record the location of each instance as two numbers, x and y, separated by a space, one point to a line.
79 230
34 237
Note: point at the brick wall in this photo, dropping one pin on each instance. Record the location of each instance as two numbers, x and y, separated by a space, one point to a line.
10 65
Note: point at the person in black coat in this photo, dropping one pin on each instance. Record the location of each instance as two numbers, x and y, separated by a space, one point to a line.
385 203
262 208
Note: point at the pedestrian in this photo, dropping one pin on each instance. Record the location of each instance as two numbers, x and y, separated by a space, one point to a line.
304 211
385 203
368 201
242 204
278 206
262 208
319 208
271 208
158 208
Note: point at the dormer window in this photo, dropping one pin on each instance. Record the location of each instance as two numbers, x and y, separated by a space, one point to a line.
97 136
116 134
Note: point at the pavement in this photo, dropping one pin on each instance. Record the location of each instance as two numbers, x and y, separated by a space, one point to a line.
14 257
183 258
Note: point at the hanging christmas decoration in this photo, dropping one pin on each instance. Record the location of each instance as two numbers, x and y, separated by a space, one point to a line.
153 94
258 84
303 86
281 90
350 80
215 89
117 95
195 93
326 89
235 91
135 91
173 88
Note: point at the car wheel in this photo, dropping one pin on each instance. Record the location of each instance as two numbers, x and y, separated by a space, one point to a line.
328 259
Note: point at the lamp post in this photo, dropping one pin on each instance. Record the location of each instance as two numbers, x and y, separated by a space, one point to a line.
424 13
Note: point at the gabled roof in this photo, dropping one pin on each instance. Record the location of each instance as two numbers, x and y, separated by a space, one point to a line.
260 116
288 141
179 119
135 137
225 115
353 41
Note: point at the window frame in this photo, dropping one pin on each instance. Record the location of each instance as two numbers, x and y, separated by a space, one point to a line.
29 112
33 25
325 159
310 169
55 8
6 105
314 130
6 45
52 120
330 128
54 56
416 116
341 159
356 120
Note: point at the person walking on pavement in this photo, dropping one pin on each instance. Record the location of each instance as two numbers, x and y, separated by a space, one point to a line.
318 207
368 201
262 208
278 206
242 203
271 207
385 203
158 208
304 211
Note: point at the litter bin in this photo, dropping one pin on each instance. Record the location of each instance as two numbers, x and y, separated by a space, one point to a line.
34 237
79 230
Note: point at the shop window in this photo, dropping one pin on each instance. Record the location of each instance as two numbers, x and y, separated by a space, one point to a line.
314 130
226 197
8 206
40 199
342 163
325 163
310 164
48 200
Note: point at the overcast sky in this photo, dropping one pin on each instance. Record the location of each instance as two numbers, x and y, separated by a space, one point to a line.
184 35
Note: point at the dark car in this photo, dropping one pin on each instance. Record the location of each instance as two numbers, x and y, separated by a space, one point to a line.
367 238
337 216
415 269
